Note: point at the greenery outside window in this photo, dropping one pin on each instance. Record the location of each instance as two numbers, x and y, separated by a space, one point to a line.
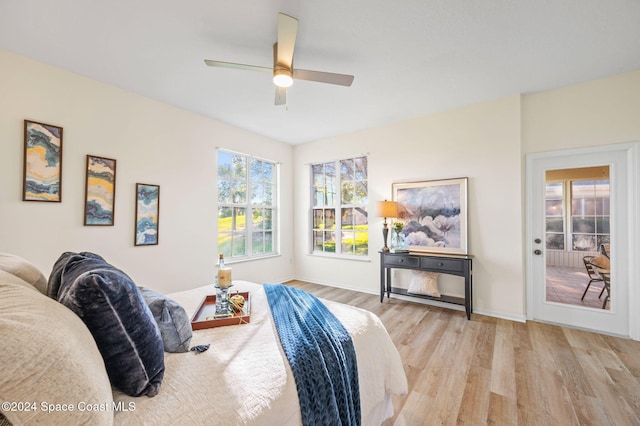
339 207
247 206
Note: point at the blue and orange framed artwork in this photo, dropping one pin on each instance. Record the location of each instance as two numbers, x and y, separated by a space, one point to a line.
100 193
42 180
147 214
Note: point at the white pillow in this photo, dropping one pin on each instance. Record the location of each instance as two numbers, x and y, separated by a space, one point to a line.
48 356
424 282
24 270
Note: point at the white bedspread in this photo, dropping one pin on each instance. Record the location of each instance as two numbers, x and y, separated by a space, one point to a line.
244 378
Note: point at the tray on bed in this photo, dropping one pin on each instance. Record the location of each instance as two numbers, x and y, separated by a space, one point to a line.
207 309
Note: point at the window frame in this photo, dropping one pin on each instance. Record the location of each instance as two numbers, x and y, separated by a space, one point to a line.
334 189
250 206
563 204
568 215
571 215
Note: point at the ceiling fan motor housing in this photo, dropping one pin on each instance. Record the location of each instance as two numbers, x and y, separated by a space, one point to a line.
282 73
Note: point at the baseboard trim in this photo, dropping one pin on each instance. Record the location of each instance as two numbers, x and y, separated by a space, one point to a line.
508 317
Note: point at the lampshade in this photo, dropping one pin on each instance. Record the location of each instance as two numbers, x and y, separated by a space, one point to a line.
282 78
387 209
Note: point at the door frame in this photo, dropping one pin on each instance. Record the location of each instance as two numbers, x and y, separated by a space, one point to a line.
632 150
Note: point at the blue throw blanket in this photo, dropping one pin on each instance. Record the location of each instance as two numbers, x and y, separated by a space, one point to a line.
321 355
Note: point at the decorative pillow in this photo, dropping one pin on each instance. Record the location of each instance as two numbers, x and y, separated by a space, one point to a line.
172 319
48 356
57 273
24 270
113 309
424 282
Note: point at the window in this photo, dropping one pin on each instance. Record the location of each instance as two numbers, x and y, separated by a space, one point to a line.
554 207
589 214
583 207
339 207
247 206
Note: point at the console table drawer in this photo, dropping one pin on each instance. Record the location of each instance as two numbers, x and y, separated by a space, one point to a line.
453 265
400 261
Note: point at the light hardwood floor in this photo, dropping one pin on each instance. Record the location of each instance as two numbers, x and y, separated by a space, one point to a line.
494 371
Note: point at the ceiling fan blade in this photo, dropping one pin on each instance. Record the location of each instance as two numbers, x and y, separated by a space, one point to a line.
221 64
287 31
323 77
281 95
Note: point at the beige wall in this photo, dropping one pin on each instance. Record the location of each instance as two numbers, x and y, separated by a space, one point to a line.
594 113
153 143
486 142
481 142
158 144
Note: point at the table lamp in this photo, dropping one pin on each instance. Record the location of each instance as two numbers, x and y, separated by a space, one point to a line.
387 209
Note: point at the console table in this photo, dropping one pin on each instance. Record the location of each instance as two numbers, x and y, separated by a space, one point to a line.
459 265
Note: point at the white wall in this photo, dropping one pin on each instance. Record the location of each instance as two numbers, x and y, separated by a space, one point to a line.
481 142
153 143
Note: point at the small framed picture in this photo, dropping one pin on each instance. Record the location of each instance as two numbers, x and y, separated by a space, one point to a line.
100 193
147 214
42 177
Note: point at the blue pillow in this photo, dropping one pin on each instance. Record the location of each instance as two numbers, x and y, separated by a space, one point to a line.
113 309
56 275
172 320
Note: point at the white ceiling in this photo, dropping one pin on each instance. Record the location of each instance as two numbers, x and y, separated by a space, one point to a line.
409 57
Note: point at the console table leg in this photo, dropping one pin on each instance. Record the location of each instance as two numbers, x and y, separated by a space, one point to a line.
388 282
382 282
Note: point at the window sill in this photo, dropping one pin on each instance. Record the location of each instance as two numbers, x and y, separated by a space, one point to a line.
341 257
230 261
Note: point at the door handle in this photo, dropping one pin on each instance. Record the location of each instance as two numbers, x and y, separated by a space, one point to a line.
538 252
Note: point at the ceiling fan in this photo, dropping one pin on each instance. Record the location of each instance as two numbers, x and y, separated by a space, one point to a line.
283 71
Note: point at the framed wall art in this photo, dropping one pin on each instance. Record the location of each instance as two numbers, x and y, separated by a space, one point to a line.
42 171
147 214
100 193
434 214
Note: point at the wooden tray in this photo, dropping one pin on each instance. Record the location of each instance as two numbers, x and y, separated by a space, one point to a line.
208 308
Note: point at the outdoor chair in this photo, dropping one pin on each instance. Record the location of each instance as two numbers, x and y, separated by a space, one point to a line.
593 274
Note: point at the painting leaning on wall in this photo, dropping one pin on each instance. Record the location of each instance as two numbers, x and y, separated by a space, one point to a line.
434 214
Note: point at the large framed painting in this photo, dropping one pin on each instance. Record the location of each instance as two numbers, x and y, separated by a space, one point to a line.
434 214
147 214
100 193
42 177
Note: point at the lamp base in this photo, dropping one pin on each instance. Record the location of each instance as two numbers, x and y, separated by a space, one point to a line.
385 234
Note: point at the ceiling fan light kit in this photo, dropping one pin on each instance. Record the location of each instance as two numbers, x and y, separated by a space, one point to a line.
282 77
283 71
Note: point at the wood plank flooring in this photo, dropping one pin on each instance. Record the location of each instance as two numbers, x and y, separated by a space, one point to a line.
494 371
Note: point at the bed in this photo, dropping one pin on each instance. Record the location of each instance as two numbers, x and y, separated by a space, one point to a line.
243 378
